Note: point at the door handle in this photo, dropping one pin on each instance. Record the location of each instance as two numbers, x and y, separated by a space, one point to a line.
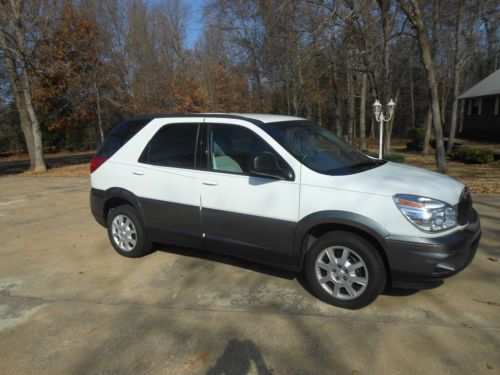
138 173
209 183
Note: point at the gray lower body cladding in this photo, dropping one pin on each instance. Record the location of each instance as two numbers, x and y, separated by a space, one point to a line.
417 261
414 262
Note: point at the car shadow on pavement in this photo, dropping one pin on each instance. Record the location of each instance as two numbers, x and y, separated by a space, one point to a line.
264 269
226 259
238 358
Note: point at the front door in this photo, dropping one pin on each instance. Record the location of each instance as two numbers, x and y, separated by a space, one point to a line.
244 215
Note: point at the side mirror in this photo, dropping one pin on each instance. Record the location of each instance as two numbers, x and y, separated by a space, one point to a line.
266 164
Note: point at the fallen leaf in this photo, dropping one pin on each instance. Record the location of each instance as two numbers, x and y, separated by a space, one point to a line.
489 367
493 259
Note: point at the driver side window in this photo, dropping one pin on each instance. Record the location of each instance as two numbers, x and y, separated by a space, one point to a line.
233 148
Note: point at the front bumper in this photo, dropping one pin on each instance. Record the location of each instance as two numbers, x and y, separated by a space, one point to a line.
419 262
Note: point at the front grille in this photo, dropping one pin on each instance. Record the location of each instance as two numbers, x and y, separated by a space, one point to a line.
464 208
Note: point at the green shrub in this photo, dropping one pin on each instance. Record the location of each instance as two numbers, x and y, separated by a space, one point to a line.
397 158
416 136
415 133
472 155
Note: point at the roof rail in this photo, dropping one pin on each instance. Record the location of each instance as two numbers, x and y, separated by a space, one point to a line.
207 115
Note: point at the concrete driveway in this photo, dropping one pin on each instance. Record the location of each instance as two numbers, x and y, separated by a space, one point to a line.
70 304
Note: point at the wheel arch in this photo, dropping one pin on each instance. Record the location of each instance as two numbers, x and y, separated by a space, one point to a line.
115 197
313 226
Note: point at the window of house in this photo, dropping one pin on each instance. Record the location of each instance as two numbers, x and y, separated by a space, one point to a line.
476 106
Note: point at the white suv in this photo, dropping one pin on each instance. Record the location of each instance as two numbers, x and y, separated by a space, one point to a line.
282 191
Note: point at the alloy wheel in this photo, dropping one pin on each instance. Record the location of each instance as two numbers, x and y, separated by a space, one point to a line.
341 272
124 233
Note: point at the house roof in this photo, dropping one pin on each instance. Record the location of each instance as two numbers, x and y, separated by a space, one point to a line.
488 86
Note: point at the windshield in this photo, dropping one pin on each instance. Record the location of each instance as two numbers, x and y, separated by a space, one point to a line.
318 149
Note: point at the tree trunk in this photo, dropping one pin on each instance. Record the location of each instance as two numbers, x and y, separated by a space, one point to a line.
337 103
412 100
26 128
461 111
373 123
318 103
427 133
98 109
39 163
17 72
372 127
362 113
259 90
456 79
320 114
454 112
436 115
31 129
416 18
350 101
338 119
295 99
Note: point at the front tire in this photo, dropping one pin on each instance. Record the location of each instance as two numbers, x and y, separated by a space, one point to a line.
345 270
127 233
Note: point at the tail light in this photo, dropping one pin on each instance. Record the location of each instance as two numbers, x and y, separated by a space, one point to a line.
97 161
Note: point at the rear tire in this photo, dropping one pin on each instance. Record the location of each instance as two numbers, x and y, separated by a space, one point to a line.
127 232
345 270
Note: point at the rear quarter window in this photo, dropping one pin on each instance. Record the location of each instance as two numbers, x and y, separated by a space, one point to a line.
120 135
172 146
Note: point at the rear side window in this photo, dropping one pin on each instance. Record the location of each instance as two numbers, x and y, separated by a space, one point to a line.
120 135
172 146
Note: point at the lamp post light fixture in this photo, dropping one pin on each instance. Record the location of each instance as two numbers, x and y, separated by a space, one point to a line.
381 118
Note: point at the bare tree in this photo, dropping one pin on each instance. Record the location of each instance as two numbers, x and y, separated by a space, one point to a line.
457 67
17 20
310 58
427 130
414 13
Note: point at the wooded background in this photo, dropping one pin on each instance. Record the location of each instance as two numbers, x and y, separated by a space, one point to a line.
69 70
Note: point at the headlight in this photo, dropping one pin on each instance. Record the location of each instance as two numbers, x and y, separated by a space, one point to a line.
426 213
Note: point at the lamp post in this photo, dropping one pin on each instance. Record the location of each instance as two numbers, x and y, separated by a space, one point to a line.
380 118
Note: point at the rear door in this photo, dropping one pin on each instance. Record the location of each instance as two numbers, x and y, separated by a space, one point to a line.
244 215
167 184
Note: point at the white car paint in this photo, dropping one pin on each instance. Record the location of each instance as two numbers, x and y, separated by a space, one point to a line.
367 193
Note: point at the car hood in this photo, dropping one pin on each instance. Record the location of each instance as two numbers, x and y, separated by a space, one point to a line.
393 178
